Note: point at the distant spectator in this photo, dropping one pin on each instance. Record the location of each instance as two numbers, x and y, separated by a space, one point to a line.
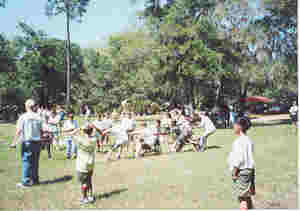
87 112
294 113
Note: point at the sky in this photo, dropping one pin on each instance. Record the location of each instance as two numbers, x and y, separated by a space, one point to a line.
101 20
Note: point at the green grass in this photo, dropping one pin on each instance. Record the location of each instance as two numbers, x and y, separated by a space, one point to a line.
182 180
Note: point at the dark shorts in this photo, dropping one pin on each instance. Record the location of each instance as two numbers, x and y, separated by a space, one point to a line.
84 177
294 118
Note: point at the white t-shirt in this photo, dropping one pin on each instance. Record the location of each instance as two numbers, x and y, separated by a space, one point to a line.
207 124
68 125
53 119
86 153
120 134
148 134
293 110
128 124
103 124
241 155
30 125
184 124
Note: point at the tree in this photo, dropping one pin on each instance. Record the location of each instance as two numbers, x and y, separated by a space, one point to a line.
41 66
2 3
73 9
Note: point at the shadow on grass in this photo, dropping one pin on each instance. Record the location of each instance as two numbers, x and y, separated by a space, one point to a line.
110 194
213 147
57 180
271 123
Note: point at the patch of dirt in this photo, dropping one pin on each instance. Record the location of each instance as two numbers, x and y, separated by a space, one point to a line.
288 202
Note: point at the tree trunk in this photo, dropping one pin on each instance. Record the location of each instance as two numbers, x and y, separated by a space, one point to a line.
219 93
68 53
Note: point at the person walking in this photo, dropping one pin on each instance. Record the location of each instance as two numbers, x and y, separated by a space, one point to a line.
29 130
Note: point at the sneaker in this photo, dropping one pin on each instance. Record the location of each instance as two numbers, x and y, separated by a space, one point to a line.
84 201
13 146
91 199
21 185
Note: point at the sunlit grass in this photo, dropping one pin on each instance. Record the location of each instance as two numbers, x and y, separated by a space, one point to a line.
183 180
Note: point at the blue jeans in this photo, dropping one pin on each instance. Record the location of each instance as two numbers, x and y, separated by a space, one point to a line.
30 154
71 147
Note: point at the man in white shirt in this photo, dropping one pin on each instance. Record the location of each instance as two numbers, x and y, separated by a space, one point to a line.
29 129
209 129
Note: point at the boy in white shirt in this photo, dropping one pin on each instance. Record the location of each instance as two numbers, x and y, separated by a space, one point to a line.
47 136
101 127
146 139
241 164
53 122
209 128
121 138
70 125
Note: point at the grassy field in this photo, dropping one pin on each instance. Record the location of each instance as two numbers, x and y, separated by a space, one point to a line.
182 180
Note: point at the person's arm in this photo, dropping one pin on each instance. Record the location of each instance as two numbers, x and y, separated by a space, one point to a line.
18 133
235 173
136 132
74 131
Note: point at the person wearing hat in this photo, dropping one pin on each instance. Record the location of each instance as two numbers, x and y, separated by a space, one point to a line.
29 131
85 161
241 164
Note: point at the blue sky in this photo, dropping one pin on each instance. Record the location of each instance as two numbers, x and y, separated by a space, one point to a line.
102 19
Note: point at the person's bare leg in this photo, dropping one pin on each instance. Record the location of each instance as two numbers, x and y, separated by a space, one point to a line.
138 149
120 151
109 154
90 185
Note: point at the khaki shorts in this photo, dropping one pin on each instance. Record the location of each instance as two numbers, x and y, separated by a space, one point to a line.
84 177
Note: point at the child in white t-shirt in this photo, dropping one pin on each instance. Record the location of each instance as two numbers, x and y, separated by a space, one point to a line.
70 125
241 164
209 129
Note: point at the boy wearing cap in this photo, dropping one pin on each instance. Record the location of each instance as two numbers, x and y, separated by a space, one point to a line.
85 161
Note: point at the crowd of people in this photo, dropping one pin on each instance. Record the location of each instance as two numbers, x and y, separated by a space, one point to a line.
41 127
